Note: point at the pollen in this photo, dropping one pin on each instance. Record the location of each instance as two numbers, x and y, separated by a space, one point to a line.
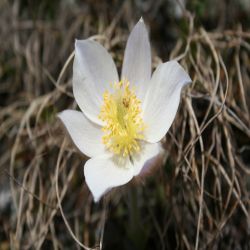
122 116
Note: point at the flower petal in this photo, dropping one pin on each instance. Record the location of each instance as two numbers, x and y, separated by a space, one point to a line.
163 99
86 135
149 151
103 174
93 71
136 66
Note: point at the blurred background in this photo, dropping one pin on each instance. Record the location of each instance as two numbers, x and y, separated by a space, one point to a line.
199 195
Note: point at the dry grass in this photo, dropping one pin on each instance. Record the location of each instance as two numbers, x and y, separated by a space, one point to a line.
197 199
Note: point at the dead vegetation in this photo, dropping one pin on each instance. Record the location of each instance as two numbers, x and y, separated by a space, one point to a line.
199 197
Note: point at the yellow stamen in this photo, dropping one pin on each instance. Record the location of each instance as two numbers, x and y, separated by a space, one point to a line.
121 113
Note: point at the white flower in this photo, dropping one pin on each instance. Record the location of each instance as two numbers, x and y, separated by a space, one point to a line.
122 121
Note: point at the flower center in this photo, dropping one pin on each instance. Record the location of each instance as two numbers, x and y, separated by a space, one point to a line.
121 113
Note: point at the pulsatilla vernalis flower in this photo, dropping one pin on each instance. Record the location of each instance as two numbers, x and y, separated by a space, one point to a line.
122 120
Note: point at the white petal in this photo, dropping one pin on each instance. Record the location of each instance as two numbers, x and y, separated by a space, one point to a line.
163 99
149 151
137 59
86 135
103 174
93 71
